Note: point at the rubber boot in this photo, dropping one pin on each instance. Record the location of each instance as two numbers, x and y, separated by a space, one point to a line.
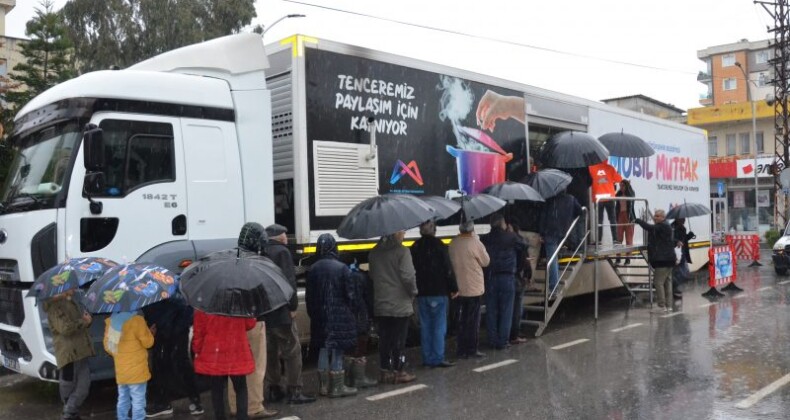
358 377
348 363
337 385
386 376
323 383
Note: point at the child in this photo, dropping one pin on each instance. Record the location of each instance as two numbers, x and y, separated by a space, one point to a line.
127 339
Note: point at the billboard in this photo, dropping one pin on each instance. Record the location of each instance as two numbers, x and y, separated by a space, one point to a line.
427 133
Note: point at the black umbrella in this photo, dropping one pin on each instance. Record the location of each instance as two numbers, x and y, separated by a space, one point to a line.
233 284
687 210
626 145
480 205
385 215
548 182
444 207
573 149
510 190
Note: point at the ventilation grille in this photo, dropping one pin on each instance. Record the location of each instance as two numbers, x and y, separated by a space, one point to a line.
282 126
343 176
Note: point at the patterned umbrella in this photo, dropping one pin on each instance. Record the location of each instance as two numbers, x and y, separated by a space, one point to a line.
69 275
130 287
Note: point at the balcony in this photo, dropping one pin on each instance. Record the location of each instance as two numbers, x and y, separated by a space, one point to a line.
706 99
703 77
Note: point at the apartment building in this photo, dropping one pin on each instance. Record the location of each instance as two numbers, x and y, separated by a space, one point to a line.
737 74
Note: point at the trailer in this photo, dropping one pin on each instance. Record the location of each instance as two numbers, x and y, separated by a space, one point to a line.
164 161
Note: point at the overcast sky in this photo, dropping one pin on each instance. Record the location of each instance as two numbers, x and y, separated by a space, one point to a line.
593 49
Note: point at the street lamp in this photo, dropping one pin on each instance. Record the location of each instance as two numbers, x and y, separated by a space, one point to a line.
279 20
754 143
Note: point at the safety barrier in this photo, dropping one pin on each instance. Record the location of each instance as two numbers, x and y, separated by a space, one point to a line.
745 246
722 270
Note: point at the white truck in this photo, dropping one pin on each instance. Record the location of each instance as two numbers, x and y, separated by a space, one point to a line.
165 160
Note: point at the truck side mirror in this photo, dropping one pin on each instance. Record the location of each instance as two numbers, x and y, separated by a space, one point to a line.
93 149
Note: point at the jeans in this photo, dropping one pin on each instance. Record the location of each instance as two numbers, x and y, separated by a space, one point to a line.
468 325
336 362
392 342
609 207
553 268
518 311
218 384
131 396
500 291
433 328
282 344
75 382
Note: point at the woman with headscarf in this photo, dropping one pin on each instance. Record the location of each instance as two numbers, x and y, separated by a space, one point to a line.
333 326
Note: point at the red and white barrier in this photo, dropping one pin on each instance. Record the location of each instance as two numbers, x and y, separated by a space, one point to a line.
722 266
745 246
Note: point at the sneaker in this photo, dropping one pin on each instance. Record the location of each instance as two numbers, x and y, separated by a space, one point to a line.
159 411
195 409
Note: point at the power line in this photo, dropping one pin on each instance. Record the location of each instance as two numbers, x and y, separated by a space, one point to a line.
486 38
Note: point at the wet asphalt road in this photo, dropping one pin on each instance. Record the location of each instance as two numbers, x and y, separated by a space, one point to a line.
707 361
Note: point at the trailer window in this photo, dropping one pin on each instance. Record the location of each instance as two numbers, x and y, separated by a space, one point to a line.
137 153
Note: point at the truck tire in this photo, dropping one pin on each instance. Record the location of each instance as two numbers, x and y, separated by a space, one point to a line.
781 270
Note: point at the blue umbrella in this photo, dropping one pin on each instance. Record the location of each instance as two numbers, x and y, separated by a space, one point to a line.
129 287
69 275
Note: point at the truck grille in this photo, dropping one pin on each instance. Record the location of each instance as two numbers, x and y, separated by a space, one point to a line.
12 312
12 346
9 271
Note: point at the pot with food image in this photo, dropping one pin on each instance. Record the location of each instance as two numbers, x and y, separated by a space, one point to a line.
479 169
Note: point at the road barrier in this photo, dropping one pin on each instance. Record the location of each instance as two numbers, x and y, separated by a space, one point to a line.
746 247
722 270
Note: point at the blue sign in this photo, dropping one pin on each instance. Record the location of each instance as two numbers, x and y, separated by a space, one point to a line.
720 188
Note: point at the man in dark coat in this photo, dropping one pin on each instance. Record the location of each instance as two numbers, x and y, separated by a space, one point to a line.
435 284
333 327
555 220
661 255
171 365
282 339
505 250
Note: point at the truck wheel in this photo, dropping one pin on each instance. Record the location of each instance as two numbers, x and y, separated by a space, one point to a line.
781 270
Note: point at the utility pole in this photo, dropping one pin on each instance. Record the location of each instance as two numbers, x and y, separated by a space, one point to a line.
779 10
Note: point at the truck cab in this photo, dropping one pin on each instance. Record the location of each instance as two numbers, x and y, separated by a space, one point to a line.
162 162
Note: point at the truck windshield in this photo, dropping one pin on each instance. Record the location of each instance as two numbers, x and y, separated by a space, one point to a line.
40 167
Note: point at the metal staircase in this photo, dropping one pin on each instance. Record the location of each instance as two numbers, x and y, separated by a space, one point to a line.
629 263
569 270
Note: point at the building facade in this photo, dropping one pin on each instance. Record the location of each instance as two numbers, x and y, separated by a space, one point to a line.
647 105
743 196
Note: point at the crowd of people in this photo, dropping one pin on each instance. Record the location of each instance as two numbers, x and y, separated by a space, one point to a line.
250 361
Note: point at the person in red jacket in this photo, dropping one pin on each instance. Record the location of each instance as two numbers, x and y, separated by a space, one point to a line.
222 351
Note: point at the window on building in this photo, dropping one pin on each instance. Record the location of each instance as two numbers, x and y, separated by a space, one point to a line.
730 84
745 143
760 142
728 60
761 57
713 147
762 79
731 145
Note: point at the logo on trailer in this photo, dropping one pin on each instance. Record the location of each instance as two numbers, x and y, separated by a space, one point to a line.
411 169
